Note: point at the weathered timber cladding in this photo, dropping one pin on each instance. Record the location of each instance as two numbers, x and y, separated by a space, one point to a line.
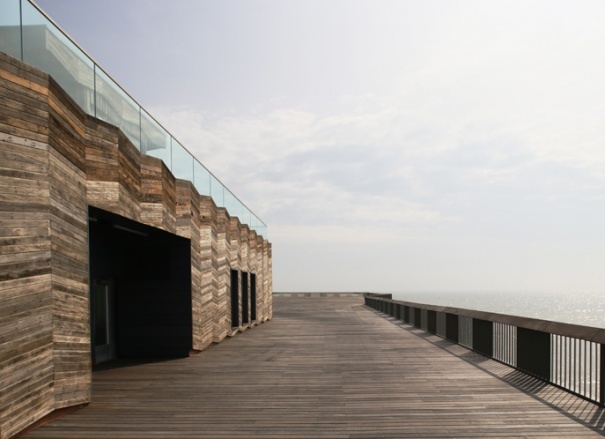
69 256
253 269
55 161
223 276
26 299
235 235
207 239
268 280
158 192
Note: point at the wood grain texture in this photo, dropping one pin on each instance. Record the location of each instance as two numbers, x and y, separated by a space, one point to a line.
235 263
55 161
26 296
69 257
207 214
327 367
223 280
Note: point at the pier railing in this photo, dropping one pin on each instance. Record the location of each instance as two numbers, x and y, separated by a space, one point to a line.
568 356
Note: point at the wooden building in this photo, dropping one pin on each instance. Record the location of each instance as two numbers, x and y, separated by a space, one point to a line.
104 253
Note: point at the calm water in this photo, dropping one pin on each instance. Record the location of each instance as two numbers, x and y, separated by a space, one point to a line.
581 308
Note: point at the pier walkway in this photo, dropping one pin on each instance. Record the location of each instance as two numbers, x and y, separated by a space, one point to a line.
326 367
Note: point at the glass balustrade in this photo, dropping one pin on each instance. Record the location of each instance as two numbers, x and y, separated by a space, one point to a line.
28 34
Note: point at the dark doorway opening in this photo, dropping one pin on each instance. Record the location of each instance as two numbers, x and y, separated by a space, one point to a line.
253 297
234 298
245 299
140 292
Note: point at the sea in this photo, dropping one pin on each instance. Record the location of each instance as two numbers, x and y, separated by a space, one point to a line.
582 308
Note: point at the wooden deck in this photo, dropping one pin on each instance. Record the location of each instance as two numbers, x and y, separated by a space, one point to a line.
326 367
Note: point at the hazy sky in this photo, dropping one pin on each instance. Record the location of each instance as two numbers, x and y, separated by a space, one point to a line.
388 145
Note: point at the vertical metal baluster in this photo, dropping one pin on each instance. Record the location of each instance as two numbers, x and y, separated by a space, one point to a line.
508 344
593 393
589 368
566 348
505 343
553 359
569 355
562 347
560 360
591 356
574 356
582 368
559 346
585 368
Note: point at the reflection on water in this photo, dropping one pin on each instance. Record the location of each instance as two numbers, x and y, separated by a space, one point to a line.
580 308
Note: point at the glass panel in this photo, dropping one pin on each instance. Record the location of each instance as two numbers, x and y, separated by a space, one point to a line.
201 178
217 191
255 223
10 30
229 202
233 205
246 216
117 108
46 48
155 140
182 162
262 230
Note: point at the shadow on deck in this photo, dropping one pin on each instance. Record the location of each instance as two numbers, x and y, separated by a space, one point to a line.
327 367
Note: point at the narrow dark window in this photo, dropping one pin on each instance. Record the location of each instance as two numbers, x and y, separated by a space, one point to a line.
253 297
245 299
234 298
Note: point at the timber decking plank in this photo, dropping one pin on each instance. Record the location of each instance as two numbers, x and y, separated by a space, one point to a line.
326 367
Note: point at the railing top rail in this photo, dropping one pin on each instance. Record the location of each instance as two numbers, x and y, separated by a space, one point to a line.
589 333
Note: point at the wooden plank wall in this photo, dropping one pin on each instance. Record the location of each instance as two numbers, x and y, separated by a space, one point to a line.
244 266
216 312
234 259
26 301
268 281
55 161
69 246
188 225
252 267
223 276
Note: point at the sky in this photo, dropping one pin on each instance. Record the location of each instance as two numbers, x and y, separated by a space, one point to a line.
388 145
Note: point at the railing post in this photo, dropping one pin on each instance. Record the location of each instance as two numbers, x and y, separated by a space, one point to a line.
483 337
533 352
431 324
418 317
451 327
406 313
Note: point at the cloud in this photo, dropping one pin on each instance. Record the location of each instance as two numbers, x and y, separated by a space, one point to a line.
390 158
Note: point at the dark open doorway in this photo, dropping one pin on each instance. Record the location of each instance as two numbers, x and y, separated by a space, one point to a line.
245 299
140 291
234 298
253 297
